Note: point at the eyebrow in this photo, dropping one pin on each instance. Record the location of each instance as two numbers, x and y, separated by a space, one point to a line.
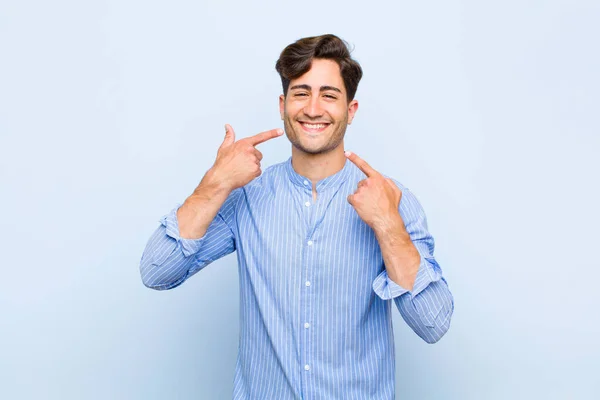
321 89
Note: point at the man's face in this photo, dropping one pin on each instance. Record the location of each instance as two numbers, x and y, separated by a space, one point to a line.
316 111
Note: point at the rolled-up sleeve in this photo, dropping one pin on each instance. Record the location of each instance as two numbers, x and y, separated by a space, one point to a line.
428 307
168 259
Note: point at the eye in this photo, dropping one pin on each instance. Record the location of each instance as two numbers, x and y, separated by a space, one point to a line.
300 94
330 96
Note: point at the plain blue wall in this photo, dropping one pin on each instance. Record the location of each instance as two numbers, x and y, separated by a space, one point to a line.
112 111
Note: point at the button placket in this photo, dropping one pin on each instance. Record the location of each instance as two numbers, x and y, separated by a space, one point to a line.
308 296
313 215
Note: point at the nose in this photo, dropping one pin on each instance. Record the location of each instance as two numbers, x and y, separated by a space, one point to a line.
313 108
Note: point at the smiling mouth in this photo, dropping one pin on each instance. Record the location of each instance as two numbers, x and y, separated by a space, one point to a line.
314 128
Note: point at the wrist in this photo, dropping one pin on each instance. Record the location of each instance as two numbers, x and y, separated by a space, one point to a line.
214 184
392 224
209 192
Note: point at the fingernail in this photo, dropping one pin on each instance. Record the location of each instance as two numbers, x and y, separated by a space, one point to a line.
280 132
348 153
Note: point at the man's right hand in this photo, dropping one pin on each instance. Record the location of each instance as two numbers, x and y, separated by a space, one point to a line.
236 165
238 162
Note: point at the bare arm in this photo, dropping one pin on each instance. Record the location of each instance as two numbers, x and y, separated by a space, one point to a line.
201 207
400 256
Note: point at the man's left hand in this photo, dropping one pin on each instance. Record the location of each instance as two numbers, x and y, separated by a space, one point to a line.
377 198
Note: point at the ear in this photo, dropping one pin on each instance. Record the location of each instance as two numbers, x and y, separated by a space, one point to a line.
281 105
352 108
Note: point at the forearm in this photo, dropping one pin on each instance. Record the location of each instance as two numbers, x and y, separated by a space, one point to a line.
201 207
400 256
426 303
166 261
412 276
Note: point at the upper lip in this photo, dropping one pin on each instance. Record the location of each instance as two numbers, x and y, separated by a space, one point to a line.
314 123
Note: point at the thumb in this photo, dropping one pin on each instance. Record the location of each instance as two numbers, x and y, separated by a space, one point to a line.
229 136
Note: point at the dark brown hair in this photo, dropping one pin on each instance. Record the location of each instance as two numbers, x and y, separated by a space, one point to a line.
296 59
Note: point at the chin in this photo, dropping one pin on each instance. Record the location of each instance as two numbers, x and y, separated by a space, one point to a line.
315 150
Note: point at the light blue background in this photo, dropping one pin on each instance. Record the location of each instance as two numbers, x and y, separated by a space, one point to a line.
112 111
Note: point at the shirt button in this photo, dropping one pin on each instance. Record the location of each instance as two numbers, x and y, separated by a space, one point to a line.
307 204
307 283
307 367
306 182
310 242
306 325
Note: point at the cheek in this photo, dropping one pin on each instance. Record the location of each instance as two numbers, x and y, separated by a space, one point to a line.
339 114
291 110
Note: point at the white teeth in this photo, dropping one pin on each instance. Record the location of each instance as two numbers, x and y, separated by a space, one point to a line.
314 126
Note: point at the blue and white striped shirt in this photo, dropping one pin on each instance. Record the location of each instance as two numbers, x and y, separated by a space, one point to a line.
315 315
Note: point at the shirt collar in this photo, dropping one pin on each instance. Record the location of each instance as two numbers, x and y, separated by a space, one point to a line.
331 181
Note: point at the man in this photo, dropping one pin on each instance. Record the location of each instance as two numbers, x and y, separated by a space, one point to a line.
323 243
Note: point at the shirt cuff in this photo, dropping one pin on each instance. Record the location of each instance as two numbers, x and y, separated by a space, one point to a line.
188 246
387 289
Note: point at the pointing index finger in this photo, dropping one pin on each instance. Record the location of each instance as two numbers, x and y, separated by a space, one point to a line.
264 136
361 164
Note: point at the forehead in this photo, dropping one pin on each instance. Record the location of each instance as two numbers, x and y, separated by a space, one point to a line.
321 73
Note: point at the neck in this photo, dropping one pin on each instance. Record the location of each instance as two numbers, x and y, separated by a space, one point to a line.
318 166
